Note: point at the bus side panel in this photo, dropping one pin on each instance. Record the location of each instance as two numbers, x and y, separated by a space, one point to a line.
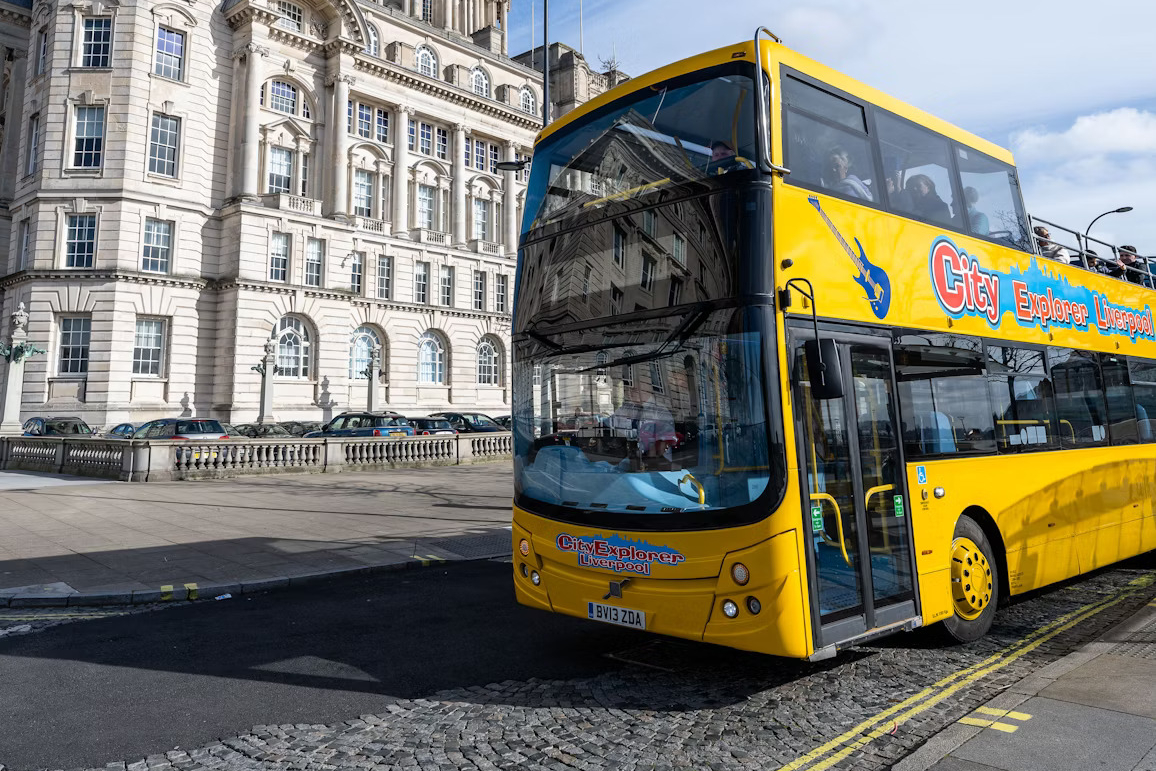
1059 513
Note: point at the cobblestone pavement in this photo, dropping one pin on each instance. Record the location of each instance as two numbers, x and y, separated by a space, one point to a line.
671 705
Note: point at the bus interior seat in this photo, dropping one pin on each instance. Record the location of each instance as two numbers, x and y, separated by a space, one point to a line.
935 433
1143 424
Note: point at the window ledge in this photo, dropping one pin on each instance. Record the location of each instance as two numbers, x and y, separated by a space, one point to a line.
162 179
167 79
84 172
79 68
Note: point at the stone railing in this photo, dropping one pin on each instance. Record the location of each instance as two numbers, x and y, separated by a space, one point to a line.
296 203
487 247
432 237
371 225
164 460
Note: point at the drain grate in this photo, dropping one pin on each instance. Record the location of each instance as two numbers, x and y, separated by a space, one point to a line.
493 543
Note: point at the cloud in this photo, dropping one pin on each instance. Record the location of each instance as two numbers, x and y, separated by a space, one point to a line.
1125 131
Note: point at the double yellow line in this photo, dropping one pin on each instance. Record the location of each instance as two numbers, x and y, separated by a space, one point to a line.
830 753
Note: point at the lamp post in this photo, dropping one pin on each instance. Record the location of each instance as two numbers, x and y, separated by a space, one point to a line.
546 63
1121 210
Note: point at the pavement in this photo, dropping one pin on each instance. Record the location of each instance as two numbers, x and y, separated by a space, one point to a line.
65 541
1092 709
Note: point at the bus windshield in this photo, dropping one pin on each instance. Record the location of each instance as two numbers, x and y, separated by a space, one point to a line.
681 130
646 419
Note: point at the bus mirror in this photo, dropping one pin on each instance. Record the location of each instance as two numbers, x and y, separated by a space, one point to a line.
823 368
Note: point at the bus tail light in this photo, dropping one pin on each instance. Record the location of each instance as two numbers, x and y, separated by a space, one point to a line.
524 547
740 574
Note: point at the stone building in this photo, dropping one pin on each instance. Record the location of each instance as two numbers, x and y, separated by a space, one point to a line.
182 181
572 80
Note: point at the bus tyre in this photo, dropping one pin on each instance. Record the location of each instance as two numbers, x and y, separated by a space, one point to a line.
974 582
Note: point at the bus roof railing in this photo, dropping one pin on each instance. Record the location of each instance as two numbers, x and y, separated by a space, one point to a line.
1087 252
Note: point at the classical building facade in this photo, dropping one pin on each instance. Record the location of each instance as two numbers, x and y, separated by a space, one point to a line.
182 181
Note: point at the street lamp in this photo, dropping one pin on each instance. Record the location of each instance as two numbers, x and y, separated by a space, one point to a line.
1121 210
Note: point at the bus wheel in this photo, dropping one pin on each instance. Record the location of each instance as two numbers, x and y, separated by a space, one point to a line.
974 582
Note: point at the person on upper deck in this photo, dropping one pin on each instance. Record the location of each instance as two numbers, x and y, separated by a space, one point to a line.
925 202
1131 267
975 217
1049 248
837 175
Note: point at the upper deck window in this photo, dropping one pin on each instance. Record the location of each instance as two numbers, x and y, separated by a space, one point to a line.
991 198
685 129
917 169
827 144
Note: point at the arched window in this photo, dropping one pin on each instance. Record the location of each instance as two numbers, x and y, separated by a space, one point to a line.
293 354
529 104
371 47
489 364
361 346
283 97
480 81
431 360
427 61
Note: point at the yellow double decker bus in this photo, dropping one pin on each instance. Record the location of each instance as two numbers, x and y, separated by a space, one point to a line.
789 372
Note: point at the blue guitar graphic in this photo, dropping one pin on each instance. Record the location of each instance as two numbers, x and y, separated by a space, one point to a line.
871 277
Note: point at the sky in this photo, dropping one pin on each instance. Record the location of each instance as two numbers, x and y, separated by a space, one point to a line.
1069 87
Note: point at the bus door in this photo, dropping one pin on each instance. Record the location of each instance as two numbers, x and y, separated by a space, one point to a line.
860 561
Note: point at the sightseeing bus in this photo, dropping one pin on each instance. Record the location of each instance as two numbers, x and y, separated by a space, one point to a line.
789 372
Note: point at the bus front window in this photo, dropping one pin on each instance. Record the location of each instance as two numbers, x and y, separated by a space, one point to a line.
641 418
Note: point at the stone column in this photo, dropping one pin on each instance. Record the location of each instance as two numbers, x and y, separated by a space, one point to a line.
382 169
15 352
339 145
461 136
448 15
505 29
250 137
374 401
401 171
267 368
10 168
510 205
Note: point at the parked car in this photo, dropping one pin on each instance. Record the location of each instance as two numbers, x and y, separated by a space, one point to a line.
365 424
300 427
470 422
427 426
56 426
261 430
123 431
231 430
194 429
505 421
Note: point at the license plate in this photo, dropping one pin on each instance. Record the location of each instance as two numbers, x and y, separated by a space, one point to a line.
397 433
612 614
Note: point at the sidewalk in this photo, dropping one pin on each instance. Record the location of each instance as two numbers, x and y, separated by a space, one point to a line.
113 543
1093 709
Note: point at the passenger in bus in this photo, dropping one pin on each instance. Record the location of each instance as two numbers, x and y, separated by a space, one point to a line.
1049 248
975 217
1131 268
925 202
837 175
723 158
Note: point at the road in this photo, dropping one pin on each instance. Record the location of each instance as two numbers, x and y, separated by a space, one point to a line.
448 672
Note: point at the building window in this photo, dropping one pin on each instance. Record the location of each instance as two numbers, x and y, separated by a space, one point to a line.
382 125
349 116
447 285
283 97
314 261
648 223
280 170
619 247
292 348
524 174
501 283
443 144
675 296
22 258
304 175
431 360
488 373
89 142
680 249
657 384
480 82
361 346
372 47
357 272
81 245
615 300
384 277
421 282
425 207
164 141
479 290
586 282
364 121
529 103
363 193
41 52
33 144
469 148
646 282
481 219
427 11
97 47
427 61
279 257
148 350
425 144
386 191
479 154
158 245
170 58
291 16
411 142
75 333
494 158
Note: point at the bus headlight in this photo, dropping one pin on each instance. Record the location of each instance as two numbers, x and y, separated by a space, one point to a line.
524 547
740 574
730 610
754 606
535 579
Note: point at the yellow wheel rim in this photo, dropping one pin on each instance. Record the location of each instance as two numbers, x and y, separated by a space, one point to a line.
970 579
